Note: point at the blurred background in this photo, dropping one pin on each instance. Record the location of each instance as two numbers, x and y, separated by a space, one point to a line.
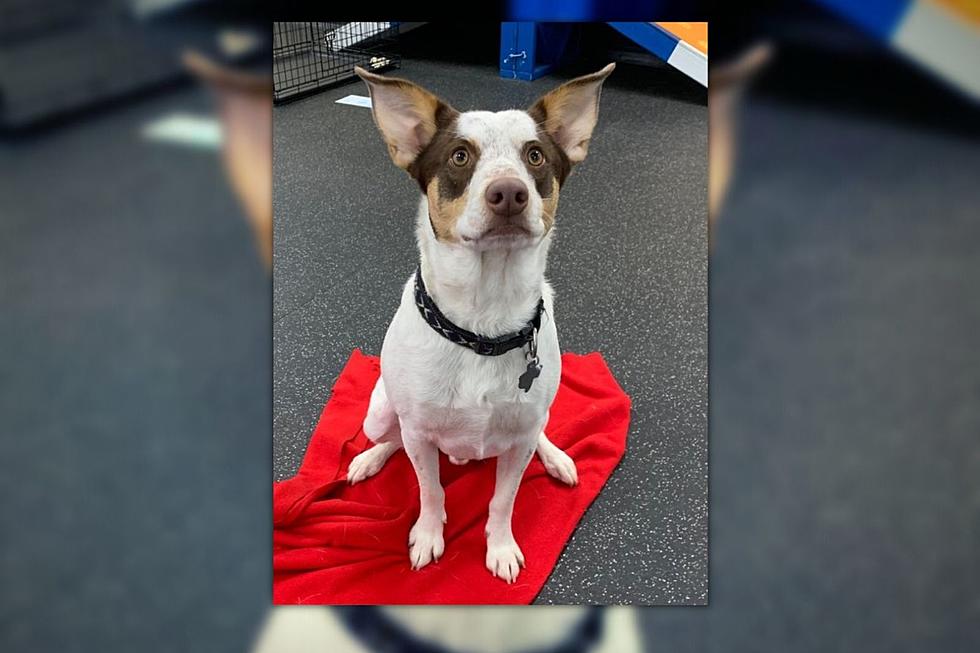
135 333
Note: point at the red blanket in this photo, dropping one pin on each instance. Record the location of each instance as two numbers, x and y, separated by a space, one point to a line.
337 544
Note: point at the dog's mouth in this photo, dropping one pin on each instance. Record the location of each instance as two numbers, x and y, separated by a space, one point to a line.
502 232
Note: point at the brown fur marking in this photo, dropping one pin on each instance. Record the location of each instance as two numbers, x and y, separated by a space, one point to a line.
444 211
549 176
433 162
549 207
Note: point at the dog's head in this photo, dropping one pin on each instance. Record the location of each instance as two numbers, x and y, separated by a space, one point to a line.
491 179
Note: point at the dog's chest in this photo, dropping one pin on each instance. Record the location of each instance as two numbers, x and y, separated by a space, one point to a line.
469 405
472 406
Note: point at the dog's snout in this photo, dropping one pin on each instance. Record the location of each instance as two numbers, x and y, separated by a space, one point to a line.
506 196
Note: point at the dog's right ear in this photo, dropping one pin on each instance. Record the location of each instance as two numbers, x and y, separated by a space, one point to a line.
407 115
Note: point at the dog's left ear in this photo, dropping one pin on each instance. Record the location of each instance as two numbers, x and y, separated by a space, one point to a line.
406 114
570 112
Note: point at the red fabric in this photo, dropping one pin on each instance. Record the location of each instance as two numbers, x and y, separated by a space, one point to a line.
337 544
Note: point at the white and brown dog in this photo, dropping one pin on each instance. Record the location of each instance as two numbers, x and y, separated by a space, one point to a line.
470 363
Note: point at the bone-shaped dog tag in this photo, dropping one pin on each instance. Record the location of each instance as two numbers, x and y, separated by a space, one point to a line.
532 372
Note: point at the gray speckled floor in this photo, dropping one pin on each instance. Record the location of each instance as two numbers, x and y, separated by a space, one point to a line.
629 268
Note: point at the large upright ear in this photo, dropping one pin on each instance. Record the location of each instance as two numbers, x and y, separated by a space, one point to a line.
569 113
406 114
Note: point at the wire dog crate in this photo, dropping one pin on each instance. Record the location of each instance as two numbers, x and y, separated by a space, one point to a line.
307 57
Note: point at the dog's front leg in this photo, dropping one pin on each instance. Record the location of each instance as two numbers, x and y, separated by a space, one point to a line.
504 557
425 543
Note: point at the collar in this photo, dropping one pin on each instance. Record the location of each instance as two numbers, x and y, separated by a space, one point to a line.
479 344
379 632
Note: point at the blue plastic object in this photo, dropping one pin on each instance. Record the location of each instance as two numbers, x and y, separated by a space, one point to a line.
529 50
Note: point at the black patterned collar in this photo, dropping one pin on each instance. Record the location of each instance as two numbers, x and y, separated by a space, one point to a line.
379 633
481 345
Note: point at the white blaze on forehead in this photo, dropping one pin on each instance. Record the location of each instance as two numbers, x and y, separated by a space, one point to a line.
497 133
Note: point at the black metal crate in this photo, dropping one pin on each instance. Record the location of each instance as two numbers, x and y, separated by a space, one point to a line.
311 56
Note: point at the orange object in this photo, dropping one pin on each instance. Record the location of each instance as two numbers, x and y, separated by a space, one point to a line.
694 34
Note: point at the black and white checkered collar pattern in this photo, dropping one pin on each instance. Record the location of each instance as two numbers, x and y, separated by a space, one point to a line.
479 344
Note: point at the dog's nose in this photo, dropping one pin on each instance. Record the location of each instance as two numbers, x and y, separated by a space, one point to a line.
506 196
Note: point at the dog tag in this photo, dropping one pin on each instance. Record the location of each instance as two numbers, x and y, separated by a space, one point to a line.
532 372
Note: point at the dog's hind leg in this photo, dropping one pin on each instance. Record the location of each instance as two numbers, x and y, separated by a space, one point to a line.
381 427
558 463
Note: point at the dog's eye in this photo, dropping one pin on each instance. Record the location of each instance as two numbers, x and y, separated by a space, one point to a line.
535 156
460 156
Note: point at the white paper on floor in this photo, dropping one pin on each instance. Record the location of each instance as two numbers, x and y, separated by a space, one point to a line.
185 129
355 101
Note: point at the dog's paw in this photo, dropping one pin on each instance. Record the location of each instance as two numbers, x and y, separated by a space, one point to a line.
558 464
458 461
504 559
367 463
425 543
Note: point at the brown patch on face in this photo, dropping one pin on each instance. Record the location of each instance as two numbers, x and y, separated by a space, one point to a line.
445 183
549 176
444 211
549 206
434 161
555 168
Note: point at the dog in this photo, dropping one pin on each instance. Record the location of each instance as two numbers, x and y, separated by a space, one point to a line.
470 363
